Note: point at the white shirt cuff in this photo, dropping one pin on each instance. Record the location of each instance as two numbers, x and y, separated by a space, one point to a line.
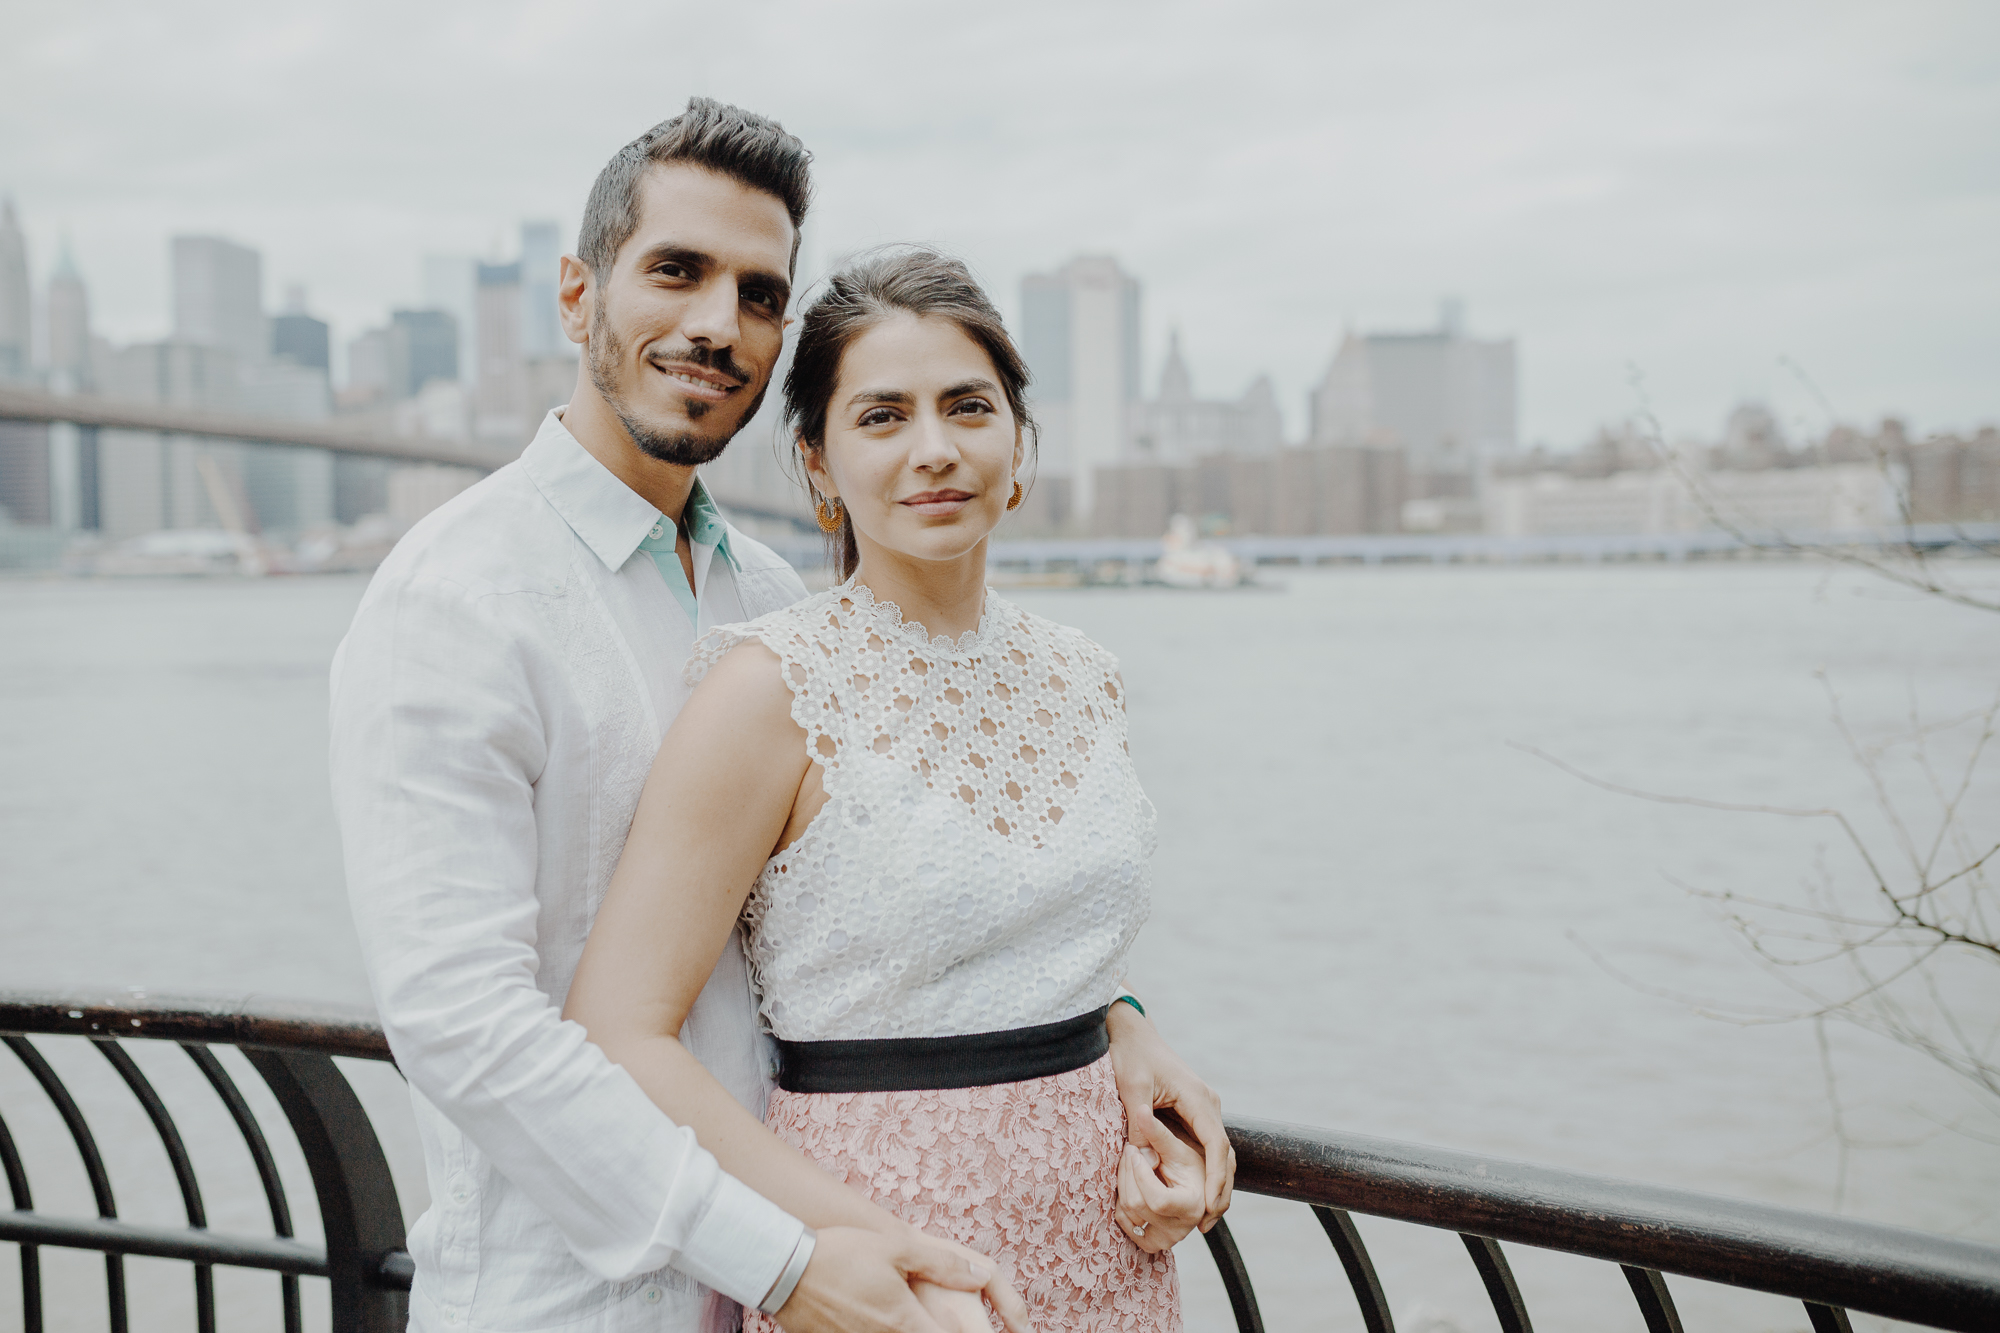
741 1244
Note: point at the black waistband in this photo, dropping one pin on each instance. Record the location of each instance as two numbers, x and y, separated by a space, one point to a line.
905 1064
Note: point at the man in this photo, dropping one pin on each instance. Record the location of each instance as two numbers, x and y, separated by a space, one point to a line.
496 707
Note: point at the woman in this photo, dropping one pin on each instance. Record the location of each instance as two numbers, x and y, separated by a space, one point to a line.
917 799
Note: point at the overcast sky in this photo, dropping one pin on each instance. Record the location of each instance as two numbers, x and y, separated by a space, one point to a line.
1699 190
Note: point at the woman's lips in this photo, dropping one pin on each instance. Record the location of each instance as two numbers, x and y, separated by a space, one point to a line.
937 504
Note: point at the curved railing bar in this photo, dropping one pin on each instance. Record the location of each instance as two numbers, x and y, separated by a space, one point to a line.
1235 1278
1346 1240
260 1153
1501 1288
1655 1303
350 1175
72 1118
177 1157
1827 1319
93 1165
1892 1271
31 1255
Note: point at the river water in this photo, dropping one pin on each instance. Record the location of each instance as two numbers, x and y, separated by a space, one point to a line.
1374 909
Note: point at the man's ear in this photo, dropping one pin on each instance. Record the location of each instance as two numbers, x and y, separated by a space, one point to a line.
576 298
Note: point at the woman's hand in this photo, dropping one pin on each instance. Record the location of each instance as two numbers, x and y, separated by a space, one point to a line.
1151 1077
1159 1198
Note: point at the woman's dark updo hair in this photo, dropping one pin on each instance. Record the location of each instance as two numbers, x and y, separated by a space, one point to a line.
904 280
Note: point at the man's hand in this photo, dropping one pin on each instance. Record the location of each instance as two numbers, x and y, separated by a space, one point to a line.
952 1311
859 1282
1150 1078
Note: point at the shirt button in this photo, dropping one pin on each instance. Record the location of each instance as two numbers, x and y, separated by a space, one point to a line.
652 1295
461 1194
657 532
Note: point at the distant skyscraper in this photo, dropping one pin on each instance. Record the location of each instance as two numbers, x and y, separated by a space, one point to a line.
423 346
1177 427
219 296
298 337
27 486
16 305
541 267
69 327
75 473
154 481
498 413
367 368
1443 399
1080 335
451 282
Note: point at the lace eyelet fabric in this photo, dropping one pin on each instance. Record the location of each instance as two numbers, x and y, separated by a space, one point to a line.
1025 1172
981 862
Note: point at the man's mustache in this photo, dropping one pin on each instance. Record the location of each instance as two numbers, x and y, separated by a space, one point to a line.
717 359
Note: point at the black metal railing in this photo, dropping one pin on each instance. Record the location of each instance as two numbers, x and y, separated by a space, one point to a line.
1831 1264
292 1050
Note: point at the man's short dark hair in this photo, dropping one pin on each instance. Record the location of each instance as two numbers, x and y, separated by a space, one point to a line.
750 149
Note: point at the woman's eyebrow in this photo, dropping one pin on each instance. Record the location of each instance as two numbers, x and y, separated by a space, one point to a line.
900 397
963 387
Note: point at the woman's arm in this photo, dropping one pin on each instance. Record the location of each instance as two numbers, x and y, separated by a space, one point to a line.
1171 1186
715 806
724 792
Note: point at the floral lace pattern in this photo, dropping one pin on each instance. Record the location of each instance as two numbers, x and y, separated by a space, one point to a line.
981 860
1025 1172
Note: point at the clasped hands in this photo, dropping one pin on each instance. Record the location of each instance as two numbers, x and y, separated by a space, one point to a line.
1174 1176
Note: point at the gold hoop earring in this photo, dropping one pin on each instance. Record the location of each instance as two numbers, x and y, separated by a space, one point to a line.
829 521
1014 501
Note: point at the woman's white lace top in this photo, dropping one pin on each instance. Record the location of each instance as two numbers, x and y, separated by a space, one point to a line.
981 860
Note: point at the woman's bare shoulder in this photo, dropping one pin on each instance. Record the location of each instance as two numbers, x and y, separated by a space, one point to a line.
748 679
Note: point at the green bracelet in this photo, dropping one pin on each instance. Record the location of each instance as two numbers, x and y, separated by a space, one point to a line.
1132 1000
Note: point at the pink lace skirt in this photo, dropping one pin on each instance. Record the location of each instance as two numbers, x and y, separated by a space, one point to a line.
1026 1172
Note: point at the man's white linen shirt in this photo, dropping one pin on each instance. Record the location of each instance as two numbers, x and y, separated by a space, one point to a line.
497 705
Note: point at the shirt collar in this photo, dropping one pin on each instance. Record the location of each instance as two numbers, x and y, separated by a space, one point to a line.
607 515
704 523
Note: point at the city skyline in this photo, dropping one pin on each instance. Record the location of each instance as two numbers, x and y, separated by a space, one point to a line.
1702 195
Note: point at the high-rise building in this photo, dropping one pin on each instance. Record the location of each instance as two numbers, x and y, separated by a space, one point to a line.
69 327
451 283
498 410
16 304
423 346
541 268
1177 427
1080 335
74 456
302 340
367 369
219 297
153 481
1445 400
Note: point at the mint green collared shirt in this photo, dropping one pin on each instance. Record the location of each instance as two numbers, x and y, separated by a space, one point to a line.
708 537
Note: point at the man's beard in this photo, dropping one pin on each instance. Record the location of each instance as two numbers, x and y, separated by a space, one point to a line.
682 448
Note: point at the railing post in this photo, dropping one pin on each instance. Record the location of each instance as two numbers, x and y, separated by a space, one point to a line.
357 1195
